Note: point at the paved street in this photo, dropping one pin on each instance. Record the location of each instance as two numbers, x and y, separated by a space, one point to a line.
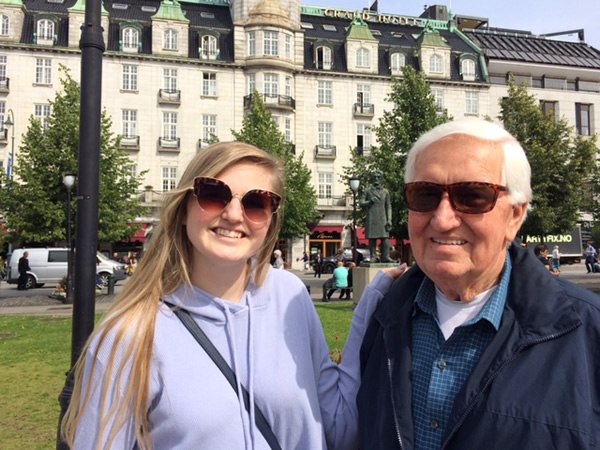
37 301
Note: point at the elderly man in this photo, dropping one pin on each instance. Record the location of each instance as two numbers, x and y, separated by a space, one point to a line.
478 346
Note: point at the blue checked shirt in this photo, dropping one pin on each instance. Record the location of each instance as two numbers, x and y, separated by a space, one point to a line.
441 367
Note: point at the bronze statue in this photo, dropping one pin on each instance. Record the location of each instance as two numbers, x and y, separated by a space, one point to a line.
378 223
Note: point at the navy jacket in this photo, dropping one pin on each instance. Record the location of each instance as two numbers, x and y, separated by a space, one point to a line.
536 386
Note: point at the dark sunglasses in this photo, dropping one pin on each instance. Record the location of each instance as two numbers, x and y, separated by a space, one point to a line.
213 195
469 197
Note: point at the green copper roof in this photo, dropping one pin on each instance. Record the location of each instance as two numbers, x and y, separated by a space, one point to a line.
11 2
431 37
360 30
80 6
170 10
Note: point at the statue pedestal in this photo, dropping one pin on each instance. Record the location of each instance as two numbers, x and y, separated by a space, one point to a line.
363 275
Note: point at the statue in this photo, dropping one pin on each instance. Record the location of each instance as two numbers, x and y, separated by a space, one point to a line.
376 199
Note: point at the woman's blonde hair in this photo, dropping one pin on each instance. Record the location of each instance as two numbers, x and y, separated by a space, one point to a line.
165 265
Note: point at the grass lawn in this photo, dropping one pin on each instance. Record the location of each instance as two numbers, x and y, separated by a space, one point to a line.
35 353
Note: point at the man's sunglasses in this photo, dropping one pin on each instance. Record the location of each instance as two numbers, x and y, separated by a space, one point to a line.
469 197
213 195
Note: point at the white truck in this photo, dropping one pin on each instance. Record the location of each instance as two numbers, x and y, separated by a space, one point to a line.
569 244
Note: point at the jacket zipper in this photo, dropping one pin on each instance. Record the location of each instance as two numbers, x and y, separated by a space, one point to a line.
493 376
389 364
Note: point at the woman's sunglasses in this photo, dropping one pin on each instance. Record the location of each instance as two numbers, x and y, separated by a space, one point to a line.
469 197
213 195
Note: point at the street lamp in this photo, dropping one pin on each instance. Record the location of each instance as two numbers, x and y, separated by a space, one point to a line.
354 185
69 181
10 122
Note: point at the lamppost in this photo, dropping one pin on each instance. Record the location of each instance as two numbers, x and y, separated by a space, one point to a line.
354 185
10 122
69 181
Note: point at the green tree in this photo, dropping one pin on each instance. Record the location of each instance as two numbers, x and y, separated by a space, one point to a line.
562 163
34 203
300 205
414 113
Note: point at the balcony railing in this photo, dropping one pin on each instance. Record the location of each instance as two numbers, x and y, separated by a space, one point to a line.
364 110
172 97
272 100
364 151
325 151
323 65
208 54
5 85
168 144
130 142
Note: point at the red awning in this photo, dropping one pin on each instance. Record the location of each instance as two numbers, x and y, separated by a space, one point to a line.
362 240
327 229
139 235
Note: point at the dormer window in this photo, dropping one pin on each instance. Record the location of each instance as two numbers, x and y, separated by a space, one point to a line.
435 64
397 62
4 25
363 57
323 58
208 47
45 32
467 69
131 39
170 39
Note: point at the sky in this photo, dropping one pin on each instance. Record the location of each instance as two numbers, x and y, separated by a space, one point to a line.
537 16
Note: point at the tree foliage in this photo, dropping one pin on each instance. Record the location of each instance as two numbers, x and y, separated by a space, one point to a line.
414 113
300 205
562 163
34 202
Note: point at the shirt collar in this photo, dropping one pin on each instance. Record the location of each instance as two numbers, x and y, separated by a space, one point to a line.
491 311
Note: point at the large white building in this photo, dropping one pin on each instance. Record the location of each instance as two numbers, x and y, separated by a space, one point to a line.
177 73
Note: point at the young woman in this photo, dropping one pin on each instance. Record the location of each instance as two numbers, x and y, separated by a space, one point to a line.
144 381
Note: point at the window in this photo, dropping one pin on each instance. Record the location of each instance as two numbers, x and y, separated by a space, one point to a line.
170 40
170 80
325 93
209 84
288 130
130 78
41 112
131 38
3 63
251 83
435 64
583 114
471 102
271 43
129 123
363 57
325 134
324 58
363 137
252 43
288 86
438 96
288 46
209 127
325 186
363 94
169 178
45 30
208 47
397 61
549 107
4 25
170 126
43 71
468 69
2 114
271 84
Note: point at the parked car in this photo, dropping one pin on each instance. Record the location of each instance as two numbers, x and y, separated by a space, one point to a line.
330 262
49 266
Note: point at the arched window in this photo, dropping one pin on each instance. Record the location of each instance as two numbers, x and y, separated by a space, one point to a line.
397 61
363 57
435 64
208 47
170 39
45 30
4 25
323 58
131 39
468 69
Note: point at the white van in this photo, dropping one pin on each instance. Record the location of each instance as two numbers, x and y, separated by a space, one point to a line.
49 266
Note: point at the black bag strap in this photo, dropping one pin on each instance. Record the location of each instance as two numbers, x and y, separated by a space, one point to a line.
211 350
